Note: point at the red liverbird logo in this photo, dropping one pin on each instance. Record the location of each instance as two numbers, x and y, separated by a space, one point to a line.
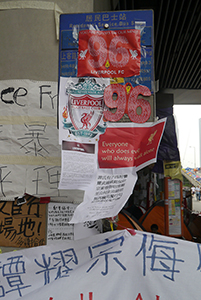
86 117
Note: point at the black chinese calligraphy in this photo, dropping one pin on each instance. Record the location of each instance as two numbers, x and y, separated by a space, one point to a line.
4 174
33 139
48 175
22 225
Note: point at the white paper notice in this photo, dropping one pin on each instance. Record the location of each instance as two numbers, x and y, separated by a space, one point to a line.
106 194
59 214
79 164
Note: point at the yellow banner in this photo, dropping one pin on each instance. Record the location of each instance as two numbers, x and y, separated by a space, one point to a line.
173 169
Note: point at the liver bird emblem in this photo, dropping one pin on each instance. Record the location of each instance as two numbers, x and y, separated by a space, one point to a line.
133 53
150 139
86 117
83 54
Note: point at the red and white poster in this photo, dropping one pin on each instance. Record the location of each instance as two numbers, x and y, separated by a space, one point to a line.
107 127
101 153
109 53
121 152
130 146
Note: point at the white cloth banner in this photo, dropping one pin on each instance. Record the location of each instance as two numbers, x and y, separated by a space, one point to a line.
30 154
29 149
113 265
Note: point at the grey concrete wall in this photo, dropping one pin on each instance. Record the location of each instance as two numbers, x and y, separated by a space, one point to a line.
29 47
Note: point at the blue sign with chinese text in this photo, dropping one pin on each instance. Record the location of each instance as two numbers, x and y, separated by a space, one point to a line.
72 24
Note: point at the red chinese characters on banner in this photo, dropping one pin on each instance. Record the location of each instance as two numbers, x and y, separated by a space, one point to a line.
135 146
109 53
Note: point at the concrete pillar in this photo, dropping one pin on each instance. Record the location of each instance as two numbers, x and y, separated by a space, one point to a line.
29 44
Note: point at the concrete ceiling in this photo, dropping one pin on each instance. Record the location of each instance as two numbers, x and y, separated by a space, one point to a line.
177 32
185 96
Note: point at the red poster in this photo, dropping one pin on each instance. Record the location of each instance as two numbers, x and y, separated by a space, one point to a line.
135 146
109 53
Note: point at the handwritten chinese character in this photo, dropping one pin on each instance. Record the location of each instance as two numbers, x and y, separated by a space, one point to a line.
54 177
26 227
2 205
8 229
162 256
40 175
2 179
105 250
13 271
61 261
33 139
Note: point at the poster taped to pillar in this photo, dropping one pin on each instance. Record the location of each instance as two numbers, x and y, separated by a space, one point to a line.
134 267
59 229
59 214
23 225
98 147
106 118
99 53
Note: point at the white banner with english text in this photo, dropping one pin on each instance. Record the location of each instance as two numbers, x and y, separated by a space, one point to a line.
30 154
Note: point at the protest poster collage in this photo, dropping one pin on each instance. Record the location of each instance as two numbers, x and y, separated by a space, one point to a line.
83 156
78 163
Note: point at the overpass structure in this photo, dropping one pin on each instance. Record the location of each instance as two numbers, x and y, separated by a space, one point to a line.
191 179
